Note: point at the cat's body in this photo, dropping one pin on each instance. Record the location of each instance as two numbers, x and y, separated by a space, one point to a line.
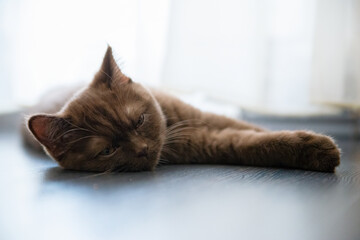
115 124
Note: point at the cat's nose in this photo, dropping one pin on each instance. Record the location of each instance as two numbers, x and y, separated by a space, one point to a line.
143 151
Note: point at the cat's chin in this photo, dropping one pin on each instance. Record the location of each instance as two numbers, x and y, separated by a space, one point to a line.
152 163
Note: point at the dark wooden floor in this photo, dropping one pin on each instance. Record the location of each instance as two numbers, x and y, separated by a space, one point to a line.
41 201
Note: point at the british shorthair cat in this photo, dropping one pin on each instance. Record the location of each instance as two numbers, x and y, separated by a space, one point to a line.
115 124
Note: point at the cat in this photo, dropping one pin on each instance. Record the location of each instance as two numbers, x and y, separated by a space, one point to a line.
115 124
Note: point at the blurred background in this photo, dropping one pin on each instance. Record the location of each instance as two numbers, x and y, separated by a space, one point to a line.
298 57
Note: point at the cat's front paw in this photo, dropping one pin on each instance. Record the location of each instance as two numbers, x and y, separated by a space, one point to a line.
318 152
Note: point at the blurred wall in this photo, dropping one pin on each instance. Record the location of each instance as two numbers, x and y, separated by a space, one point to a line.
276 56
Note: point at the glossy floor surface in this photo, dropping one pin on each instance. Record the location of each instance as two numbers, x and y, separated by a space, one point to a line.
38 200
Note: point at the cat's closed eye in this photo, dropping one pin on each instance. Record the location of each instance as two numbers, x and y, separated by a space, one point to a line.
140 121
107 151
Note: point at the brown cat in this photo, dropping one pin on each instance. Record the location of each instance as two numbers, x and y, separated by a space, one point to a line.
115 124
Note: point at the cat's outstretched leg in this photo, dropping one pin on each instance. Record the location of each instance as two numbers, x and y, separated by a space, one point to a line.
293 149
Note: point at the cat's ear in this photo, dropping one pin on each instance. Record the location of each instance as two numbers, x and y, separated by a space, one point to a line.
46 129
109 72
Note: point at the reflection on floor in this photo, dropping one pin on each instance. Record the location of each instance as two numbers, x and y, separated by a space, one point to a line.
41 201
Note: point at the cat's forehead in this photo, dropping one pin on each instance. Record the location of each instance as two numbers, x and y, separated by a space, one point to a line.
111 109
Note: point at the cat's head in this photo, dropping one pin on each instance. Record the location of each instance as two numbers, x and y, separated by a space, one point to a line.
113 124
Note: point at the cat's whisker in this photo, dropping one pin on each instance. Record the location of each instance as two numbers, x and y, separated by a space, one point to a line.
61 135
74 125
120 169
183 130
176 141
84 120
81 138
169 150
115 168
163 161
95 175
106 74
178 134
189 121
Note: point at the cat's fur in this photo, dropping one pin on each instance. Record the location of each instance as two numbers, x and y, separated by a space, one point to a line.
115 124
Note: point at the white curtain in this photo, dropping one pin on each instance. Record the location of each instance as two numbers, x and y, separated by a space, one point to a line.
45 44
336 66
277 56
